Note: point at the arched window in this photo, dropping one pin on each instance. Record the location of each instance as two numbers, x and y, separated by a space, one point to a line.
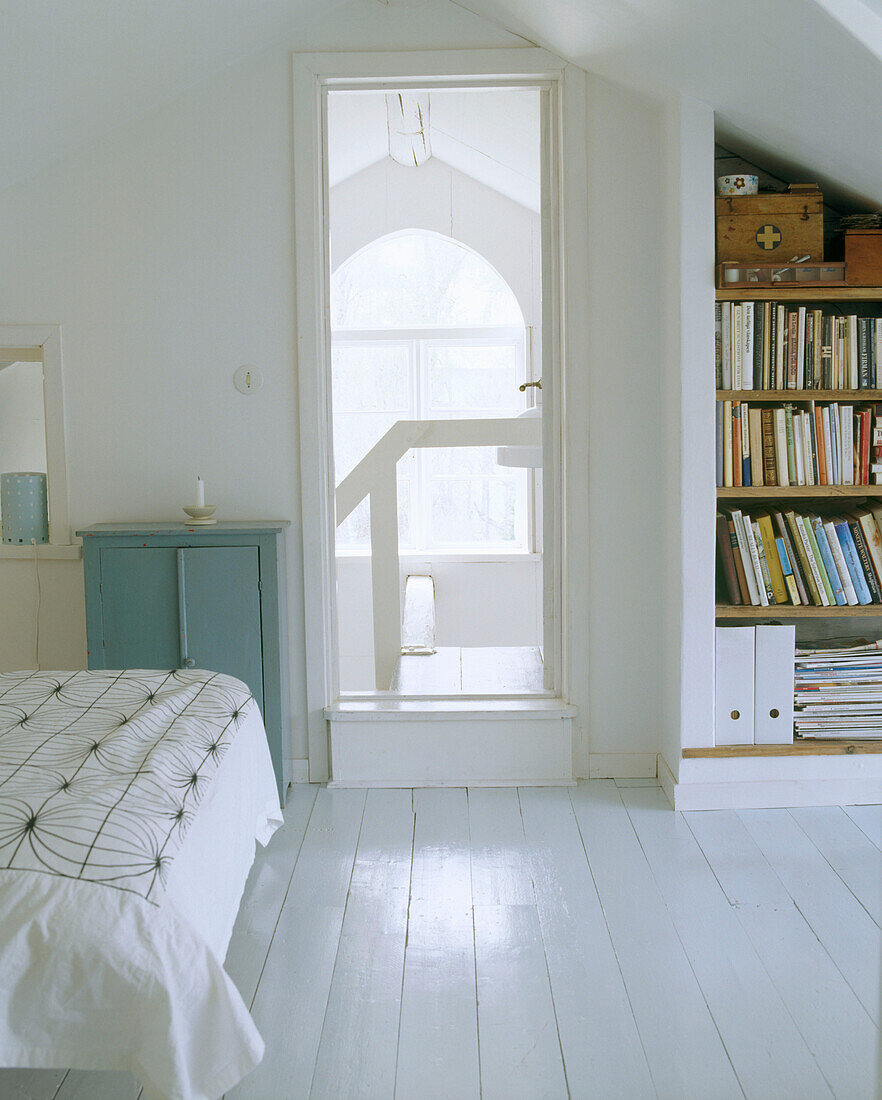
424 328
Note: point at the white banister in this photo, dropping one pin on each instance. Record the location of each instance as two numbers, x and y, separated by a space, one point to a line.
376 476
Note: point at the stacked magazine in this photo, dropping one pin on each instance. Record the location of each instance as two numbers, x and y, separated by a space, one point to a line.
838 691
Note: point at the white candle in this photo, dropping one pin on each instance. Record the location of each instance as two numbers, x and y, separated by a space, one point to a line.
200 493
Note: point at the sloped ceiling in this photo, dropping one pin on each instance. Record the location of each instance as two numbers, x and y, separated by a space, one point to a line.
798 82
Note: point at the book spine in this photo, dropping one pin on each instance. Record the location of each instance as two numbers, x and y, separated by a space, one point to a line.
846 422
864 558
800 348
746 465
864 461
776 577
770 469
799 545
863 332
727 560
798 447
737 468
818 436
873 540
852 561
827 353
757 458
811 454
781 447
737 347
791 445
792 347
835 442
828 444
758 342
768 344
746 557
755 561
817 317
852 350
727 443
787 571
718 345
739 563
819 535
765 572
795 564
814 562
747 312
726 345
781 349
773 346
839 561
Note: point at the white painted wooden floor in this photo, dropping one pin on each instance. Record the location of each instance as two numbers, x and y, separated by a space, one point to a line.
552 942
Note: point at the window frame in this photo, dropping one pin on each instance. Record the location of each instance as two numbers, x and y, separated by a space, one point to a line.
47 339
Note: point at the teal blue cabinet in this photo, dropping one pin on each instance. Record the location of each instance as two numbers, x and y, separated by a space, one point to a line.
173 596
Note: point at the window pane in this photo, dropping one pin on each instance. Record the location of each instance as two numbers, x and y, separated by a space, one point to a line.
474 377
370 377
463 462
472 511
355 530
417 279
354 435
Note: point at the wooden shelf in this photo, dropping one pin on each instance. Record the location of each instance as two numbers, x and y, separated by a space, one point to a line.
758 396
816 747
734 613
797 492
805 293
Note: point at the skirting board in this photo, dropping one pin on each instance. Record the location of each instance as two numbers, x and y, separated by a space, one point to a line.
622 765
772 791
462 750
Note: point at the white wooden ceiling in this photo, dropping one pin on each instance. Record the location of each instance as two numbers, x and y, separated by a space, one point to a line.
796 80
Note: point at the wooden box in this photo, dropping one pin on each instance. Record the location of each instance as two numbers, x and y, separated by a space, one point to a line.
766 228
863 257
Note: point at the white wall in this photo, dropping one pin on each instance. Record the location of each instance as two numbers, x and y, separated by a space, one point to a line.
165 251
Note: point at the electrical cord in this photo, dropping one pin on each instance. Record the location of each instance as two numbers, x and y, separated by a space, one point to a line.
39 600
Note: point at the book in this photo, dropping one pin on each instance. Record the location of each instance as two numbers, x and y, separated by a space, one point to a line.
787 571
800 348
726 346
781 447
747 312
718 436
846 428
750 575
852 561
757 456
873 538
819 535
753 550
737 347
792 348
737 468
739 564
770 465
798 576
727 560
800 544
864 558
765 571
727 443
825 589
776 573
839 562
718 345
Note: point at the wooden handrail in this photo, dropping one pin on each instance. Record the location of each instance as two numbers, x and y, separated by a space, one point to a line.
375 476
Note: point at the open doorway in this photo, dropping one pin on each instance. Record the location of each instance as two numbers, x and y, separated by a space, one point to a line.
434 244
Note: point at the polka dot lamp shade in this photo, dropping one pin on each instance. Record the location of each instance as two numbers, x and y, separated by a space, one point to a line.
24 508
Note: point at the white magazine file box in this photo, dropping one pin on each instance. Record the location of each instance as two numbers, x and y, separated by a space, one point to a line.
734 685
773 685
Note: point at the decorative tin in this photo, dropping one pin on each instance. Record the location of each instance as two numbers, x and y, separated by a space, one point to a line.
737 185
24 508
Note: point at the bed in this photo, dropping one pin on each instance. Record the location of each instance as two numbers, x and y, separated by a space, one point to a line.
130 803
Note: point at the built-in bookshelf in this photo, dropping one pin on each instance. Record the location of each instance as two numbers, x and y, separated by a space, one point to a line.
829 502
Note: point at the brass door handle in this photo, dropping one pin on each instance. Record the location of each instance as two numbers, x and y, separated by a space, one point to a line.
524 386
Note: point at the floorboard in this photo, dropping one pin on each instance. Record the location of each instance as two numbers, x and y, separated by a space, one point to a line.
687 1058
823 899
869 820
438 1039
832 1021
357 1053
601 1046
519 1044
289 1006
739 993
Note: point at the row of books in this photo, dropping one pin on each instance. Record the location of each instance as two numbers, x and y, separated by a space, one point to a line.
800 558
822 444
767 346
838 691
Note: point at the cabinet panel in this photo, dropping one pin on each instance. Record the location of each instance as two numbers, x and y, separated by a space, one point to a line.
139 608
222 602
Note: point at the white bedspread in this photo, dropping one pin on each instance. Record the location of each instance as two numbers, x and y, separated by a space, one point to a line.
121 872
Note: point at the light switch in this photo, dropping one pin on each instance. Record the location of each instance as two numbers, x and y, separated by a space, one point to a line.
248 379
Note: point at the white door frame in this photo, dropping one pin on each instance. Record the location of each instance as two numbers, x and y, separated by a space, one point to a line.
565 379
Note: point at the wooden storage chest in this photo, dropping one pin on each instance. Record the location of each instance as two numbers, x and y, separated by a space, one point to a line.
863 257
766 228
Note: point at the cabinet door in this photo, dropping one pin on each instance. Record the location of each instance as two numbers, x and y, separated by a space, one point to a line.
139 608
221 596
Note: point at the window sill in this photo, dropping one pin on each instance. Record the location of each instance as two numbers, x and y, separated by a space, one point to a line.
45 551
476 557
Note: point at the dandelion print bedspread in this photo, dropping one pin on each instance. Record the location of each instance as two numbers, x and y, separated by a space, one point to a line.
101 772
114 785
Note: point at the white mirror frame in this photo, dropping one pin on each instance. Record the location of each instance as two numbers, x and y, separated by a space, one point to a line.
48 339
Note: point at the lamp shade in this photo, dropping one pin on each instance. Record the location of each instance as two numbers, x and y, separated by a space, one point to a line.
24 508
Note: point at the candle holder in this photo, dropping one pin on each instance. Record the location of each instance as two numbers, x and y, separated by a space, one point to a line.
200 514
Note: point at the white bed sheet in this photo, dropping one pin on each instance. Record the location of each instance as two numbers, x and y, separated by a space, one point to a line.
97 978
